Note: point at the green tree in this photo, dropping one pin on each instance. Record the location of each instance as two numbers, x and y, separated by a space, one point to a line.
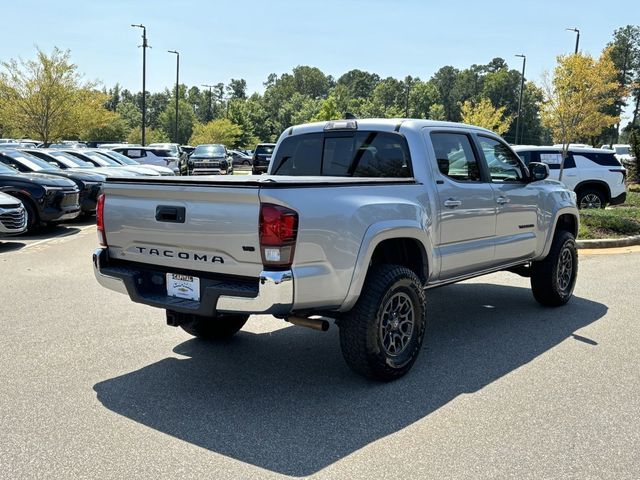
216 131
46 98
130 114
575 97
151 135
237 89
186 119
484 114
114 129
328 110
358 83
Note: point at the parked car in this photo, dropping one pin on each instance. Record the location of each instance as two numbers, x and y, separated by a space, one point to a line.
13 218
594 174
262 157
622 153
46 198
66 161
130 162
96 160
162 157
240 158
210 159
89 183
361 249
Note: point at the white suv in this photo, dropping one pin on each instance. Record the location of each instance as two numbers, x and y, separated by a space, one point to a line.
150 156
596 175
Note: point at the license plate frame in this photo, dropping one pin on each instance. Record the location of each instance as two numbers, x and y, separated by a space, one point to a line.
183 286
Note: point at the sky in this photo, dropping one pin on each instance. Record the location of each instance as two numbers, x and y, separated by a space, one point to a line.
223 39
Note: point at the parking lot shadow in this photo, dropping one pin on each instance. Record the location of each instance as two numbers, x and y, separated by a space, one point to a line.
286 402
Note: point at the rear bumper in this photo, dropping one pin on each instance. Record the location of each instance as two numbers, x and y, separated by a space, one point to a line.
620 199
271 293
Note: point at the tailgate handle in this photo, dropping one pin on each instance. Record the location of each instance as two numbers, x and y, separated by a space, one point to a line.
168 213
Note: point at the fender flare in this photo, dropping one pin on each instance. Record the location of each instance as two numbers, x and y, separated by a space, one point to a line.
374 235
552 231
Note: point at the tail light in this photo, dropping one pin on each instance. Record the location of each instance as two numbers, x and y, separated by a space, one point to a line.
278 234
102 238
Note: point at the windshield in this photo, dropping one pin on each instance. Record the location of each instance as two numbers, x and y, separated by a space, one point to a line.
622 150
212 150
119 157
32 163
101 160
7 170
70 161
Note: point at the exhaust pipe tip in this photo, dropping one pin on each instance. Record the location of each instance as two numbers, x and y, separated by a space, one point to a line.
319 324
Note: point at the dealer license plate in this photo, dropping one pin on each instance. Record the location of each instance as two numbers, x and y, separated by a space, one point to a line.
183 286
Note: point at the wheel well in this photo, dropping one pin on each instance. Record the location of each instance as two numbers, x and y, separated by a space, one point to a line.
407 252
595 185
567 223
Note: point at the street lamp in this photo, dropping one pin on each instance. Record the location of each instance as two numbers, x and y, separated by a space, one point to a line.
144 76
177 86
524 63
210 97
577 37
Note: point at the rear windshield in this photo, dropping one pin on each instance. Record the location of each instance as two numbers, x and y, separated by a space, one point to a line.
264 149
344 154
161 152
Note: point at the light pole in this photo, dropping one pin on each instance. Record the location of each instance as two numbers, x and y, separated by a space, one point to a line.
177 86
524 64
210 97
144 77
577 37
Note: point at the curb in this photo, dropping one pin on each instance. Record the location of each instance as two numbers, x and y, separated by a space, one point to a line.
609 242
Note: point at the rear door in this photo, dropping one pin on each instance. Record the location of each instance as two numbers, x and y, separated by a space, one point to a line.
467 208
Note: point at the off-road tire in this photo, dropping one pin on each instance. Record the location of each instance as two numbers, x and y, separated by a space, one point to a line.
550 283
361 329
215 328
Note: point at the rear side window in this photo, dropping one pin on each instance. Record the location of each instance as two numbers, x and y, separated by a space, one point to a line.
359 154
161 153
603 159
455 156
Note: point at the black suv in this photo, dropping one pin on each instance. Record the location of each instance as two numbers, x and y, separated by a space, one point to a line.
89 184
46 198
262 157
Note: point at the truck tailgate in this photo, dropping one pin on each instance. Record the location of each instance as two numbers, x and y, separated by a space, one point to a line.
203 228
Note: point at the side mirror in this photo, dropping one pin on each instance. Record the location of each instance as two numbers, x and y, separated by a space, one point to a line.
538 171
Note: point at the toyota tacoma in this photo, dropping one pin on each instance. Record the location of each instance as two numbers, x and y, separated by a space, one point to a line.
354 221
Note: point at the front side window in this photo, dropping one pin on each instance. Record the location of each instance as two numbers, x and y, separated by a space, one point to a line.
455 156
504 165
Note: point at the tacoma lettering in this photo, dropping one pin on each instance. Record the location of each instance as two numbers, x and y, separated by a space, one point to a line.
181 255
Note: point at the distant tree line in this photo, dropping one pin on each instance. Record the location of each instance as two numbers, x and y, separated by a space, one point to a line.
46 99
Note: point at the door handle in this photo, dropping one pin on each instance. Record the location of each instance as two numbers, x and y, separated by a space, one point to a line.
452 203
502 200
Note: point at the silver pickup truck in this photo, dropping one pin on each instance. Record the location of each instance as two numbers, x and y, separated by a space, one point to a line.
354 221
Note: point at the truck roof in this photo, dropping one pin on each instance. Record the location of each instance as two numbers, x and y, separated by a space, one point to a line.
383 124
529 148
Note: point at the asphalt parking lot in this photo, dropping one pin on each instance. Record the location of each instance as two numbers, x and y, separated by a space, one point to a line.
94 386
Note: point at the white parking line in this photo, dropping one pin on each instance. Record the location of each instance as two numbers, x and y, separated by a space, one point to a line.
57 237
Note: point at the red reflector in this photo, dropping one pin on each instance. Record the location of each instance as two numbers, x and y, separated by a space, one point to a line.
102 238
